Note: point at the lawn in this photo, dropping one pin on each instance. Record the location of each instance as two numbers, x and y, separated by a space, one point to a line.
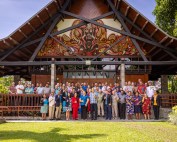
88 132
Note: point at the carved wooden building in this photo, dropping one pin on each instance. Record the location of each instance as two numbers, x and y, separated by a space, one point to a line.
88 40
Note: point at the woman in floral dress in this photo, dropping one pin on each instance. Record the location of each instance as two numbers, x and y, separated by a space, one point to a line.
129 104
146 107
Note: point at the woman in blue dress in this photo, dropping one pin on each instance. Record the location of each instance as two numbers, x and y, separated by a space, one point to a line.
129 105
44 108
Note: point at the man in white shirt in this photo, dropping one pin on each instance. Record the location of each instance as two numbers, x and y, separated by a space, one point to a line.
19 88
51 105
150 90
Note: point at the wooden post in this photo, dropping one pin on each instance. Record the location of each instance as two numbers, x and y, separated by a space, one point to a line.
164 84
122 74
53 75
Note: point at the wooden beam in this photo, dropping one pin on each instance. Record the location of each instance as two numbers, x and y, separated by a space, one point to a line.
118 31
31 26
68 48
153 32
13 40
38 63
47 10
21 45
144 25
145 34
162 40
8 44
48 32
127 9
112 45
136 17
127 30
40 19
23 33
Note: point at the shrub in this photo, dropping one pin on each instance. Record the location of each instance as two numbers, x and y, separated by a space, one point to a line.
173 115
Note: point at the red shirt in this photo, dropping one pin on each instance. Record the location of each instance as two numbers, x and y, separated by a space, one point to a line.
75 102
141 89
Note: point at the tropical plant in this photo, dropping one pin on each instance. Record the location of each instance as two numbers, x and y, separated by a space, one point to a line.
172 83
5 82
173 115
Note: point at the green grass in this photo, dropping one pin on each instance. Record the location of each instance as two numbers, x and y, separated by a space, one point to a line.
88 132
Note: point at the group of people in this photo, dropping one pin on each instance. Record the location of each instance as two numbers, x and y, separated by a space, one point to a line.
96 100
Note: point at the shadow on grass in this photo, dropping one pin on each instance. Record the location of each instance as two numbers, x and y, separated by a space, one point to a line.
52 136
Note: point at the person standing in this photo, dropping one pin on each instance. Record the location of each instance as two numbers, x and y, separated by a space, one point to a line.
130 105
100 103
114 104
29 89
12 89
93 103
146 106
122 104
68 106
137 102
75 106
19 88
44 108
156 105
108 104
47 89
84 101
40 89
150 90
58 106
51 105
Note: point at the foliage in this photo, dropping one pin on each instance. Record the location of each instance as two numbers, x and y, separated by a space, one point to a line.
172 83
5 82
173 115
88 132
166 16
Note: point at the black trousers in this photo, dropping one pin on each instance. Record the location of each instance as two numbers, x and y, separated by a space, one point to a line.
156 111
83 112
118 106
94 111
108 111
122 111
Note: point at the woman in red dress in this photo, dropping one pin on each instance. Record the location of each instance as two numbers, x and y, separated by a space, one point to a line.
75 106
146 107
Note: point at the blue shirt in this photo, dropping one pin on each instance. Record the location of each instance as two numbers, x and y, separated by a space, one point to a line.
84 99
84 88
45 102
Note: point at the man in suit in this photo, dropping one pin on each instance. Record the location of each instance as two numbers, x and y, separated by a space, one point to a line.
108 104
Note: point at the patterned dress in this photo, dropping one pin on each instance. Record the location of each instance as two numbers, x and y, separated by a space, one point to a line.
146 106
130 104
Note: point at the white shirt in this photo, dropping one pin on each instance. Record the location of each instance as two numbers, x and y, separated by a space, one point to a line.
19 89
150 90
51 100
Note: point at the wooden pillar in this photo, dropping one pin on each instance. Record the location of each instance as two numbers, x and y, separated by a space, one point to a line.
122 74
53 75
164 84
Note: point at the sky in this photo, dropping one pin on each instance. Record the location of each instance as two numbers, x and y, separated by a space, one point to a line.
13 13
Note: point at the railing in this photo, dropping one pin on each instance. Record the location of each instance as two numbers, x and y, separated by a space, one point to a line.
168 100
20 105
29 104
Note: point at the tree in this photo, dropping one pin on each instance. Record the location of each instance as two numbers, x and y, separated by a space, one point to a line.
166 16
5 82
